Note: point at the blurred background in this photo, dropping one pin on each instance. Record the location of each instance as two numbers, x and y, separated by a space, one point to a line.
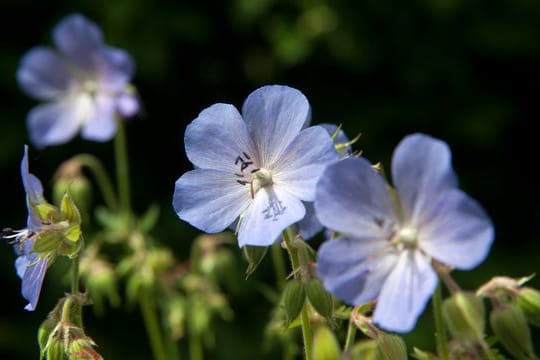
467 72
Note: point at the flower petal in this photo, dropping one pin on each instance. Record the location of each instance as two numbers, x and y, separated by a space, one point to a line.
405 293
209 200
352 198
457 231
309 226
217 138
43 74
421 169
302 163
271 211
116 68
80 40
32 185
274 116
100 124
127 105
55 123
32 273
354 269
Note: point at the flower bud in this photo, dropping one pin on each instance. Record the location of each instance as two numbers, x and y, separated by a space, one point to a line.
293 299
254 255
325 345
55 350
510 326
82 347
321 300
464 316
528 300
390 347
70 179
363 350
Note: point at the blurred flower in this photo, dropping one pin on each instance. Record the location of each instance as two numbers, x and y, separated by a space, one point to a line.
388 237
85 85
50 231
258 167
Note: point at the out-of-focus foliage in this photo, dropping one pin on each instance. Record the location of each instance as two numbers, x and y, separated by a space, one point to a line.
464 71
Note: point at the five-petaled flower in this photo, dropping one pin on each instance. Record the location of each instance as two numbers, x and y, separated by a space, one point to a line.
257 168
85 85
386 242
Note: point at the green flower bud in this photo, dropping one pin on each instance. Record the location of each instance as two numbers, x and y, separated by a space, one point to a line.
82 347
510 326
254 255
390 347
176 316
293 299
56 350
321 300
45 330
528 300
70 179
464 315
363 350
325 345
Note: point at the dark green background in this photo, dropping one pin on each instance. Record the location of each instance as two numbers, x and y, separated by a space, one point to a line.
465 71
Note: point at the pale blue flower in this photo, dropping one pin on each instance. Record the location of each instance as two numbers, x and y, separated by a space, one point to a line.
257 167
309 226
85 85
385 246
30 266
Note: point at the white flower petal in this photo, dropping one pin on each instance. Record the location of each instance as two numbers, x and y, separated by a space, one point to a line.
301 164
352 198
100 124
209 199
271 211
405 293
457 231
421 169
274 116
218 139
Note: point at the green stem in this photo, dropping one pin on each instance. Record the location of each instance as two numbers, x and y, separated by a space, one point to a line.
102 178
442 341
122 170
279 265
195 347
75 275
152 325
351 333
289 235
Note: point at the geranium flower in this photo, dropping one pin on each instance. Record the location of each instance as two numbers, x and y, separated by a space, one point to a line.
257 167
31 267
85 85
385 246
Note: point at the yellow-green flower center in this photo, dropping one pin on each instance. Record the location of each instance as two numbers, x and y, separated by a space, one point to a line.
406 237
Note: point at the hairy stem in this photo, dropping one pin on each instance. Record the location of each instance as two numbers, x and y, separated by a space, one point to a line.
122 169
288 235
152 325
102 178
442 340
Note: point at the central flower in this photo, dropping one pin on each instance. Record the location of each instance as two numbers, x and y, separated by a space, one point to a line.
256 168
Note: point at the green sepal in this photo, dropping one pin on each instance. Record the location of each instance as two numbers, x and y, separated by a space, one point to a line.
510 326
69 210
321 300
528 300
293 300
254 255
423 355
149 219
464 316
46 212
47 241
390 347
325 345
363 350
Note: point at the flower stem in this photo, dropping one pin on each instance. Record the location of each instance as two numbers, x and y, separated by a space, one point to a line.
288 235
442 341
122 170
152 325
75 275
279 265
195 347
102 178
351 333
